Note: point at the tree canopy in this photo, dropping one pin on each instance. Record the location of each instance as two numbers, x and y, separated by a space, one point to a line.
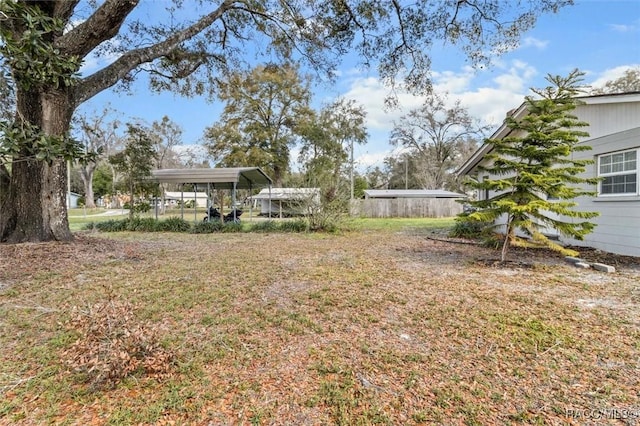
531 173
258 123
438 137
328 137
99 135
135 163
43 44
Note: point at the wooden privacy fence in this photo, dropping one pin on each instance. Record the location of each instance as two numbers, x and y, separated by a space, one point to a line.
406 207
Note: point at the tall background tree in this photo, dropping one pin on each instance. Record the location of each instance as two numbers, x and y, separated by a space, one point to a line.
326 158
327 141
532 174
257 125
401 171
166 135
98 135
436 138
134 163
43 43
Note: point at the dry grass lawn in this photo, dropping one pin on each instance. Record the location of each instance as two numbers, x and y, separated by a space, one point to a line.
367 327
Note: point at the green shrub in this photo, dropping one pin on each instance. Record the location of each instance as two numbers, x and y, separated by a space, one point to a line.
173 224
112 225
232 227
467 228
297 225
140 224
266 226
206 227
91 226
188 204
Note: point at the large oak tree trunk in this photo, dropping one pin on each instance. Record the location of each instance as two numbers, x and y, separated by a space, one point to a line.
34 208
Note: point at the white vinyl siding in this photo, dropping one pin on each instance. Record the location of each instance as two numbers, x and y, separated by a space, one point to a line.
619 173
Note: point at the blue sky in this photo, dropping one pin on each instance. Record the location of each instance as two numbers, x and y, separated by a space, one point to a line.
599 37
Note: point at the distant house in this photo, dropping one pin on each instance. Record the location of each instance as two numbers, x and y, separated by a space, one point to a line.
174 198
408 203
286 201
614 136
72 200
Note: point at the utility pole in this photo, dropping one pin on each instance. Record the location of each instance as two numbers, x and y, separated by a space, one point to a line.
406 171
351 171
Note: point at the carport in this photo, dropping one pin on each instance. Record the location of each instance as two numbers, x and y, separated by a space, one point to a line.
232 178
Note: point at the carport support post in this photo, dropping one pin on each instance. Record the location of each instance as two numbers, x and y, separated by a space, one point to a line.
209 202
182 201
250 203
233 201
195 202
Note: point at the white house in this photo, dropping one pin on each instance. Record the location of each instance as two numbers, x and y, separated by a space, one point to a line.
173 197
614 136
72 200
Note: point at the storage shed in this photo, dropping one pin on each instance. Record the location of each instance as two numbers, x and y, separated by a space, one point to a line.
286 201
408 203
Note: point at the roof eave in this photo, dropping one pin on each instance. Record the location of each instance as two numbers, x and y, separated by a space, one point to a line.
500 133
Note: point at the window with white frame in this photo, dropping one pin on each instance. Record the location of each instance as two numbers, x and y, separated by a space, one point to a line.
619 173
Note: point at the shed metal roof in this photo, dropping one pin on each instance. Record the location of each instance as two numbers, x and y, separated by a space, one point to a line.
219 178
411 193
286 193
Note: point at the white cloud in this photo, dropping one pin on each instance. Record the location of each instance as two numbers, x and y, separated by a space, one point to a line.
599 79
623 28
368 160
451 82
526 42
371 93
534 42
488 102
72 24
95 60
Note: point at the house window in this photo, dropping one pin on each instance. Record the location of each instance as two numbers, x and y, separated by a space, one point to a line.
619 173
485 193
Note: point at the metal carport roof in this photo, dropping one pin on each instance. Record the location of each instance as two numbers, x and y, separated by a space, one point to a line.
219 178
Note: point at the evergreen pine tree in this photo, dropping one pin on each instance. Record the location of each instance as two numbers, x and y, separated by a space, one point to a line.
532 172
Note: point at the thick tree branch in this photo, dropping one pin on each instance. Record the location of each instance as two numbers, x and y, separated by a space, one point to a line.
401 24
103 25
110 75
64 9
